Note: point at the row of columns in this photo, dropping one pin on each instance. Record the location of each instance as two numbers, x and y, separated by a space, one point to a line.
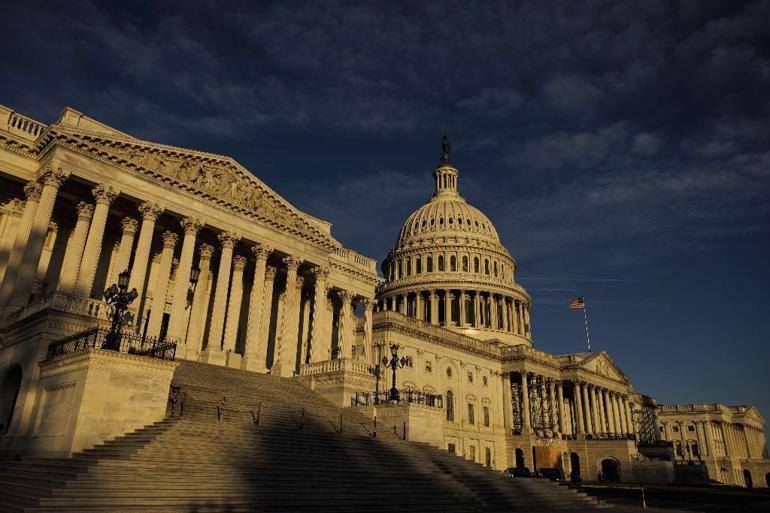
463 308
601 411
732 440
186 322
542 403
445 261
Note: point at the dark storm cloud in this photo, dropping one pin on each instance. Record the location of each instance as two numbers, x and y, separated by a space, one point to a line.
600 136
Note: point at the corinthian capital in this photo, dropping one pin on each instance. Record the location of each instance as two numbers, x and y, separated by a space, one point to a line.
270 272
261 251
292 263
239 263
129 225
320 273
54 176
368 303
151 211
228 239
170 239
85 210
206 250
191 225
104 194
32 191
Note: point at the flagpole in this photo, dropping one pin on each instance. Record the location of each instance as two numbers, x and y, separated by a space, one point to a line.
585 318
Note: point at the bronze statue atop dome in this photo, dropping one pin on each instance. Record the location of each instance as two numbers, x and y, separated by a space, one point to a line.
444 151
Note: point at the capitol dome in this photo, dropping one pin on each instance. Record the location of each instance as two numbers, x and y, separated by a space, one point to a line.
449 268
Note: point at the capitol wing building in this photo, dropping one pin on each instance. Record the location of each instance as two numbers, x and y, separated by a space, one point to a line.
230 274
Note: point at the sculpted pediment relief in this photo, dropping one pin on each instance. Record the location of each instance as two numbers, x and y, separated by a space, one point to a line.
603 365
219 178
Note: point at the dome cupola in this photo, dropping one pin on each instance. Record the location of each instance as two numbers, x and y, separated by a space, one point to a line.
449 268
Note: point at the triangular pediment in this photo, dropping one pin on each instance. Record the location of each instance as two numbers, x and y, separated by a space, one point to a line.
216 178
602 365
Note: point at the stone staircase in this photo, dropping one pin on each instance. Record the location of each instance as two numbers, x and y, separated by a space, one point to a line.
247 442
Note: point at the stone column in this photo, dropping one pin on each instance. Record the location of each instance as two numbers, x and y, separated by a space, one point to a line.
560 398
607 410
12 213
594 409
199 305
74 252
476 307
319 348
588 416
622 414
461 309
603 419
553 409
525 413
420 309
214 353
287 334
233 317
160 290
104 196
616 414
578 406
266 315
27 267
251 359
125 247
176 323
504 312
32 191
433 307
527 322
629 417
506 406
368 331
494 321
150 213
344 331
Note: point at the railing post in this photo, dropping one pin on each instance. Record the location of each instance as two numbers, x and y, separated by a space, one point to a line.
404 431
374 433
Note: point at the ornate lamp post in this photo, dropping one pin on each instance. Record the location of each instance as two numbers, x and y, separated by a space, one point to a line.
117 296
377 371
195 274
394 364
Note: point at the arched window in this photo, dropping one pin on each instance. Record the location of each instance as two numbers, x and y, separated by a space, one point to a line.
495 269
441 263
486 266
400 270
408 266
475 264
418 265
465 263
453 263
450 406
429 264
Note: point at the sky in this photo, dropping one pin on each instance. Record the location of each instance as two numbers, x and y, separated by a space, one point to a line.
620 148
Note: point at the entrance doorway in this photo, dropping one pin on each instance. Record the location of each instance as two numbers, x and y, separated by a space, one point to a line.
747 478
610 470
9 392
574 463
519 458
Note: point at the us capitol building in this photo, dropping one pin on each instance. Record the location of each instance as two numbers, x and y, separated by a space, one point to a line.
229 273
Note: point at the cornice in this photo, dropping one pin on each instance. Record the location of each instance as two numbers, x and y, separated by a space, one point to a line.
454 280
369 278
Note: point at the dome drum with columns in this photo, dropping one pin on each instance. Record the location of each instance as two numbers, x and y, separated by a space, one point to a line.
449 268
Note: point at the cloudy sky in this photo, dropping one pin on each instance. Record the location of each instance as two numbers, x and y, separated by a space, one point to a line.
621 148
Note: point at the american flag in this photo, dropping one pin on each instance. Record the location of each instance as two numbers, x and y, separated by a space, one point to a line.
577 304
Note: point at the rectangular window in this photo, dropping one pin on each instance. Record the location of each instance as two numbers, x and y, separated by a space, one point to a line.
428 367
473 452
690 428
471 414
488 457
451 448
486 416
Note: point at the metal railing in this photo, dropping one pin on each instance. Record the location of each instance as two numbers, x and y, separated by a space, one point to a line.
102 338
610 436
405 396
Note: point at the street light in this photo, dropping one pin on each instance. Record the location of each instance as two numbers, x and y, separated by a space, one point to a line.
195 273
394 364
117 296
377 371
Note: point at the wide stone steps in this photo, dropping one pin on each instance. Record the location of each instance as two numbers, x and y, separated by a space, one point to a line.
199 463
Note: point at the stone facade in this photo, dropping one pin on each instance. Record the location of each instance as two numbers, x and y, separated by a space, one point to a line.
275 292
